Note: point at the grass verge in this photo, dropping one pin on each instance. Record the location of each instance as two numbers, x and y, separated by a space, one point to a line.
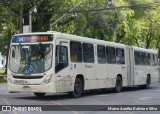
2 71
2 80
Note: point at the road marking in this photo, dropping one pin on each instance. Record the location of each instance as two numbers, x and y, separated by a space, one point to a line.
130 112
7 103
5 100
107 104
138 102
101 95
119 93
74 112
98 102
3 87
145 98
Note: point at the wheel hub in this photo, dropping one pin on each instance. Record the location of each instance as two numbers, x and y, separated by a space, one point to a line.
77 88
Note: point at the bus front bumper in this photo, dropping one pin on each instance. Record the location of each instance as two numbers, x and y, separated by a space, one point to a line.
47 88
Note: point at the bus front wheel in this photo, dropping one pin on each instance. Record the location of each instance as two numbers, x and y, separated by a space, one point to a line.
39 94
118 86
77 89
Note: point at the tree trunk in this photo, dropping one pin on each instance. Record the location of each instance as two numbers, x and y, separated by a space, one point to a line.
21 17
8 45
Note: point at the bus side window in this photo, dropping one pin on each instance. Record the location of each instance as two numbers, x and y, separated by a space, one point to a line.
152 59
149 59
88 53
120 59
111 56
140 58
75 51
61 58
101 54
156 60
146 59
2 61
136 57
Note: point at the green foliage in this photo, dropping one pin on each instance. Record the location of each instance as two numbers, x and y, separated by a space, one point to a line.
137 25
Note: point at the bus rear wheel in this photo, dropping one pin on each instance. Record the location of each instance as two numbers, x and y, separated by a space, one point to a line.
39 94
147 85
77 89
118 86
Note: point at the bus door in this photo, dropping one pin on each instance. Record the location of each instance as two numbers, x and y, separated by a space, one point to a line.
101 67
62 71
130 65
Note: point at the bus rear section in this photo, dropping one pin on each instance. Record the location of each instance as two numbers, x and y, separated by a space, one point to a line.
142 67
145 67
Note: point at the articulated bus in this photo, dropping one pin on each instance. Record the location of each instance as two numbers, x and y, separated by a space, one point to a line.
54 62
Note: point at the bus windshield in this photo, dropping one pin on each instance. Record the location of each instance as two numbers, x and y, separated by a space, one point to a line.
30 58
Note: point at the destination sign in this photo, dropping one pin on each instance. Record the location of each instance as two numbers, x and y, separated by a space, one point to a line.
32 38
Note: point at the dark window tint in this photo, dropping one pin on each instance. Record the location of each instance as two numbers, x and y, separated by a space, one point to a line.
136 57
61 58
75 51
156 60
140 58
101 54
120 58
111 56
146 59
88 53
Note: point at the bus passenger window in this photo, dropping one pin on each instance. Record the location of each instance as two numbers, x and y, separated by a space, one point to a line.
120 58
156 60
136 57
152 59
75 51
61 58
146 59
140 58
88 53
101 54
149 59
111 56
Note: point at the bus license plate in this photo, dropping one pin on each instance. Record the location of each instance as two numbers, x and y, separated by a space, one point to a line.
20 82
26 88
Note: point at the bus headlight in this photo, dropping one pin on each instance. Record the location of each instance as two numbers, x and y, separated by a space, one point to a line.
46 80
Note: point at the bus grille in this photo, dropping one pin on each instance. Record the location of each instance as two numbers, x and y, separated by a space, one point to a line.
27 77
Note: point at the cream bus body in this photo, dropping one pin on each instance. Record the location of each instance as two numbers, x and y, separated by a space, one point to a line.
80 63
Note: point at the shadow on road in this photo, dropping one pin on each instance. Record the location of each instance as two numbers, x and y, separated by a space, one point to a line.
64 96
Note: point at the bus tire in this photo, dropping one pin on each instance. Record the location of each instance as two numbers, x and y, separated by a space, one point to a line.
147 85
77 89
39 94
118 86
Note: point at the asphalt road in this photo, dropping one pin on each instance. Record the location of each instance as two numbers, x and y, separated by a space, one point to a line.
129 96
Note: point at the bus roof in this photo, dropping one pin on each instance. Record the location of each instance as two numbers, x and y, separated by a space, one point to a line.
88 40
144 50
